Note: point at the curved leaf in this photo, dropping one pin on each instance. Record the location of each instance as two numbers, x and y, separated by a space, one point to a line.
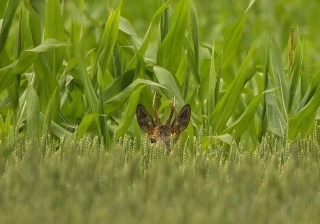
85 124
129 113
127 91
226 105
167 80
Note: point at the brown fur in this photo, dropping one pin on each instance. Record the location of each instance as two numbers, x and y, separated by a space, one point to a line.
158 132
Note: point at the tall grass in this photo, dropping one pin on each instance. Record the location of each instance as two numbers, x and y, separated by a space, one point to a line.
83 183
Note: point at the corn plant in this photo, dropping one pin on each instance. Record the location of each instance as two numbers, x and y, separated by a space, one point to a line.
74 68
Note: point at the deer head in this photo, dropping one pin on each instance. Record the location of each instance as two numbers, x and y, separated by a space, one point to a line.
158 132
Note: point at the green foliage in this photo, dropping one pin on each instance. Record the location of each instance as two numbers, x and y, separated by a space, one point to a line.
226 105
79 182
87 65
72 73
33 113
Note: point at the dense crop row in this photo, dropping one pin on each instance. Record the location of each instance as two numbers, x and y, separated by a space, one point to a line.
81 182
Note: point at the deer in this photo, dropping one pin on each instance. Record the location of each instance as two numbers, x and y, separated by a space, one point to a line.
163 133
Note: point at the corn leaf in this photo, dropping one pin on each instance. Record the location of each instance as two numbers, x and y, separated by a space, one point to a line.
147 36
129 112
54 29
33 113
276 101
166 79
86 122
232 42
7 21
120 97
246 118
109 38
193 49
89 91
226 105
49 115
303 122
25 60
170 49
295 71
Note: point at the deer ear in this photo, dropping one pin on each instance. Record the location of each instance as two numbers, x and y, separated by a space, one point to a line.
144 119
182 119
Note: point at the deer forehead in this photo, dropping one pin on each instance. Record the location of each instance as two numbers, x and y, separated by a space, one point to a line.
162 131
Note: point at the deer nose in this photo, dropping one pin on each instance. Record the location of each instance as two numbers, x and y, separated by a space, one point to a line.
153 140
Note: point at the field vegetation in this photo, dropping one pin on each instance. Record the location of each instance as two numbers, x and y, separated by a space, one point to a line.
72 73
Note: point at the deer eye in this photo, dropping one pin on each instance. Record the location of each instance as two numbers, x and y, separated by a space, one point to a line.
153 140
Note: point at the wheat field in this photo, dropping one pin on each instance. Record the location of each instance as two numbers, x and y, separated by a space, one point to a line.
73 71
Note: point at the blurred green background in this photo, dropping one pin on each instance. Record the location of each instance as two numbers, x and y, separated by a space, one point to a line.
81 67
